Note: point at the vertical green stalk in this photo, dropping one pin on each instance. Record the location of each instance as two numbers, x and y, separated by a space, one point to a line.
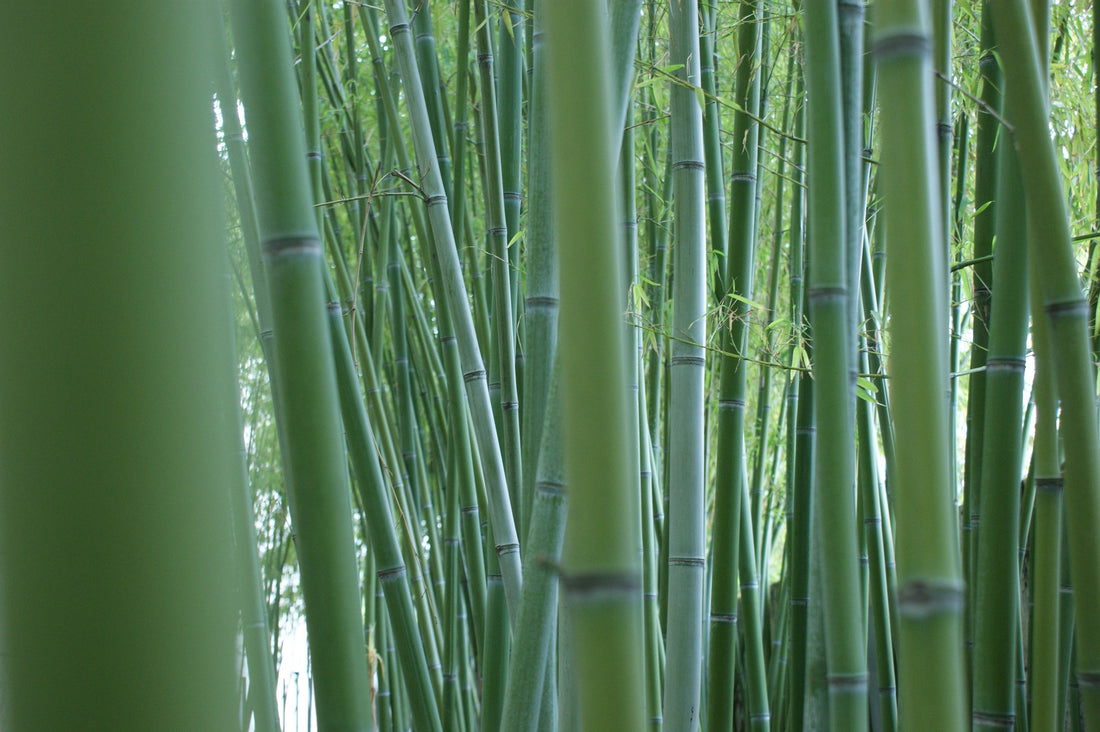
541 303
600 575
930 587
686 552
997 594
116 554
731 466
828 298
985 184
536 623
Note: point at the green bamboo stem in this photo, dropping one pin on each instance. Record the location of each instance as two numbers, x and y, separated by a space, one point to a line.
254 619
930 585
756 684
101 488
501 276
731 466
390 568
799 523
686 554
828 299
712 135
878 584
538 605
293 259
996 596
985 182
509 96
600 574
498 644
541 302
431 82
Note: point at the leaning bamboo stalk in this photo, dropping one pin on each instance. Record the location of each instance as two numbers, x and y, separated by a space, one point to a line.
538 603
477 392
1067 314
540 310
293 259
497 232
254 619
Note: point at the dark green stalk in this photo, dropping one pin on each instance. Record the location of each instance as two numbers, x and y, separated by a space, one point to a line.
756 684
116 556
501 277
985 183
878 584
996 597
392 575
254 618
538 605
731 470
541 304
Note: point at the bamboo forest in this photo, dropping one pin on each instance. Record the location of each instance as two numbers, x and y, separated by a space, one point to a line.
518 365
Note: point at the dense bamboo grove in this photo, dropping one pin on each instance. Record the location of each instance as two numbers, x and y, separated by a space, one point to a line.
644 365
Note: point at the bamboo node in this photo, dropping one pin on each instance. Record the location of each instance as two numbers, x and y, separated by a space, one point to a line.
1088 679
504 550
991 719
474 375
903 43
1068 308
392 572
1051 485
922 598
596 584
289 245
856 682
688 165
1004 363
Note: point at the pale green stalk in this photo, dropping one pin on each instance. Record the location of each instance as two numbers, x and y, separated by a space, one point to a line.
930 585
600 573
686 488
